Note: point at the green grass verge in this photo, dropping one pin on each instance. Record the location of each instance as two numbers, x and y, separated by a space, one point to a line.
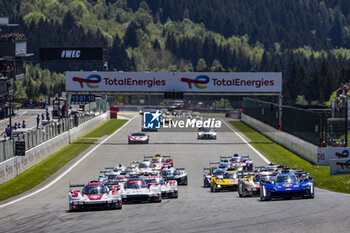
47 167
280 155
106 128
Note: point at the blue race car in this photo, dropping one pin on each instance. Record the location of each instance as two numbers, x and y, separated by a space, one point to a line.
287 184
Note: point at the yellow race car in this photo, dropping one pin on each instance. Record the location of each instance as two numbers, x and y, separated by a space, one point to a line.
227 180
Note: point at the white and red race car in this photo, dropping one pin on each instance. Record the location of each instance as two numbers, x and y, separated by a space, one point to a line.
169 188
160 161
141 168
94 195
138 138
136 190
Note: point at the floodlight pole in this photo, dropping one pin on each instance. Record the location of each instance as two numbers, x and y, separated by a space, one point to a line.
346 121
280 110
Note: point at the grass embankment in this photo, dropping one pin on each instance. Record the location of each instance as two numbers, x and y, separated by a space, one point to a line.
47 167
280 155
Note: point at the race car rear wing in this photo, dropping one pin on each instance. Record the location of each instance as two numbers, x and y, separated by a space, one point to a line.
109 168
243 174
225 157
206 168
76 185
134 162
181 168
214 163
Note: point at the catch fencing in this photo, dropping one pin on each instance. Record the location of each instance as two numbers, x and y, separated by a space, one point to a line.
301 123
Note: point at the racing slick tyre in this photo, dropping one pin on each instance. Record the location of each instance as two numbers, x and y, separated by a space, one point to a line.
240 190
129 142
267 196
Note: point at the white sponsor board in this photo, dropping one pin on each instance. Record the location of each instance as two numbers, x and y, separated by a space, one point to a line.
269 82
16 165
339 166
325 154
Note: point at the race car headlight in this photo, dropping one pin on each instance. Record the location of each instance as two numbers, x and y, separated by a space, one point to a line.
218 185
124 196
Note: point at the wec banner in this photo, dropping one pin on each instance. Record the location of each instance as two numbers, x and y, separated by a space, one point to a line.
174 82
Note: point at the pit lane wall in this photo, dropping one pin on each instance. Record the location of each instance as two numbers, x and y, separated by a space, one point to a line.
18 164
304 149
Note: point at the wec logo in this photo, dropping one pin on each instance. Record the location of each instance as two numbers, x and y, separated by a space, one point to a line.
198 82
90 80
70 54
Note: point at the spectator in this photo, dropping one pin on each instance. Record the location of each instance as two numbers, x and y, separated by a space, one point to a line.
8 131
42 116
47 115
37 121
15 126
19 125
23 124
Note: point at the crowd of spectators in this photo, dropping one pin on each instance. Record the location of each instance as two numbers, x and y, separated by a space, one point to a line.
343 92
12 36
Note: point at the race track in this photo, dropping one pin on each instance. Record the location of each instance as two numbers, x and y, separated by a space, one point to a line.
196 209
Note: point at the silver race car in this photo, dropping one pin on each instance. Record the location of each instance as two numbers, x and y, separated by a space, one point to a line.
136 190
178 174
206 133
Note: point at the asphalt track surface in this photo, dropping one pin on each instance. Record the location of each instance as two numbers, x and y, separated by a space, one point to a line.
196 209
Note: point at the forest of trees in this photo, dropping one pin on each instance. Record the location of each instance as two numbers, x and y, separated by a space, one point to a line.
306 40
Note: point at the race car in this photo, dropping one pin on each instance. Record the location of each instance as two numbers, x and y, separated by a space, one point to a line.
178 174
94 195
249 184
209 171
103 175
206 133
196 116
135 138
167 118
114 178
136 190
224 181
169 188
239 161
160 161
141 168
120 169
287 184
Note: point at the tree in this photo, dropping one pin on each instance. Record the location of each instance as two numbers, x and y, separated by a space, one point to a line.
130 37
201 65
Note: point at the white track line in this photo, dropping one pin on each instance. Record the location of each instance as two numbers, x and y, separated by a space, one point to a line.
245 141
68 170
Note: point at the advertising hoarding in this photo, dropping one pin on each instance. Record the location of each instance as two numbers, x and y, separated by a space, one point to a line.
339 166
325 154
174 82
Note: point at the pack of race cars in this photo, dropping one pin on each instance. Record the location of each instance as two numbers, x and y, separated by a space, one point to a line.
237 173
149 180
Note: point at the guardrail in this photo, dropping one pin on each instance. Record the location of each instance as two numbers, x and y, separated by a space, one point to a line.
36 136
18 164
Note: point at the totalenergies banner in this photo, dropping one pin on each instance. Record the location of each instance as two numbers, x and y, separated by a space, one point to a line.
174 82
325 154
339 166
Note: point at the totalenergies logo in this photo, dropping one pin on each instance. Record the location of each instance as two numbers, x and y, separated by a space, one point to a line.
344 154
198 82
90 80
343 165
